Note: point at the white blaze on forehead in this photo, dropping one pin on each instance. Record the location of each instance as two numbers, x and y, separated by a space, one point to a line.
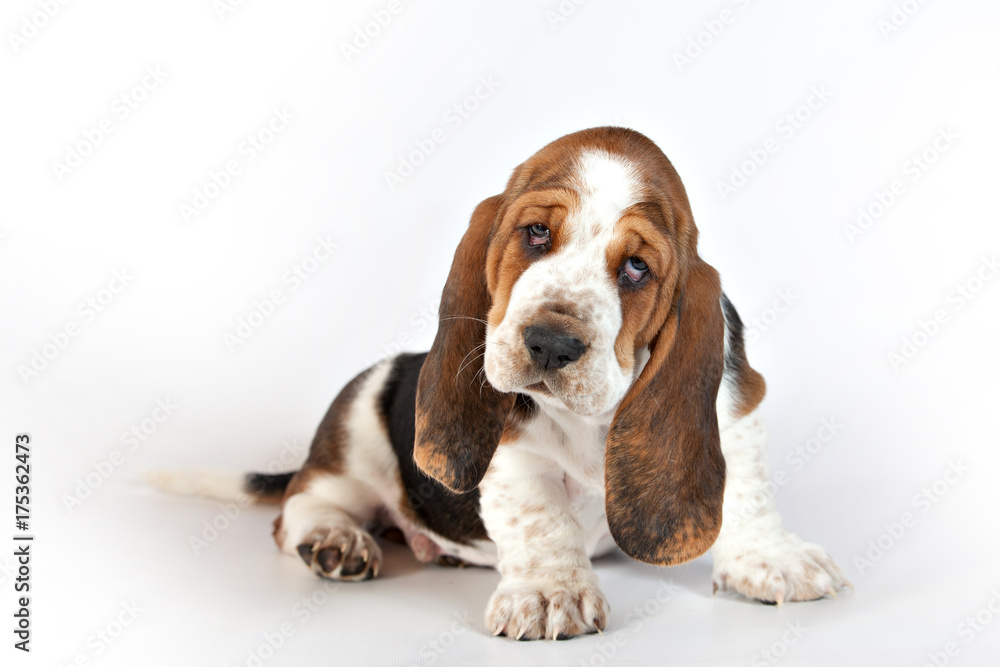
608 185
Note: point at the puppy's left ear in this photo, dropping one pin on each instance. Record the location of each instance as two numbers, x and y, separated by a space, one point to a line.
459 416
664 469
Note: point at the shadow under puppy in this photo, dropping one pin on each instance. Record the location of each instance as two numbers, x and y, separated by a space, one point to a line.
587 387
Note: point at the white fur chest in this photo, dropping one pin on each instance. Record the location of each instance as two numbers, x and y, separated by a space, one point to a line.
574 443
569 450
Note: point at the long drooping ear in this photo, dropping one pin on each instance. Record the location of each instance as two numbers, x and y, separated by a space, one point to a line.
458 421
664 470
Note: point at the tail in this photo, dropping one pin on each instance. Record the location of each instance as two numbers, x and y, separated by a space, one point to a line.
259 487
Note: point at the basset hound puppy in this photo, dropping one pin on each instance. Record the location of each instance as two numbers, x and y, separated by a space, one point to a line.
587 387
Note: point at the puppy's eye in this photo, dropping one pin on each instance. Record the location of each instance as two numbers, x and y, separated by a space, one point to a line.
538 234
635 269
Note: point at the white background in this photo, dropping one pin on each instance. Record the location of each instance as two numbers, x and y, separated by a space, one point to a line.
900 426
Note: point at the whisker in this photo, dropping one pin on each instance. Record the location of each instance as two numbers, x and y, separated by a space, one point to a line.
474 377
462 365
462 317
484 381
477 347
471 361
651 394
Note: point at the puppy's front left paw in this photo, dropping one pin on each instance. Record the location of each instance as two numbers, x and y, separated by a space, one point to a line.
546 613
777 568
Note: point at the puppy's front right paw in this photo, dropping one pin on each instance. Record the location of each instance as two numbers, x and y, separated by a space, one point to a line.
537 612
343 553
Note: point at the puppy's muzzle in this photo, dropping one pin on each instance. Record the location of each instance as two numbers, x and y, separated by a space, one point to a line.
552 349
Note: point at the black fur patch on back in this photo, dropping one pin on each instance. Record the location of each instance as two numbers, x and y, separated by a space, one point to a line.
454 516
267 486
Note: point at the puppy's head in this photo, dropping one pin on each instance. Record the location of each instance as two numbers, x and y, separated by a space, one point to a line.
580 285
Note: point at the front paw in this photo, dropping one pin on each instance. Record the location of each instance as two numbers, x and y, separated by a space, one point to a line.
777 568
538 611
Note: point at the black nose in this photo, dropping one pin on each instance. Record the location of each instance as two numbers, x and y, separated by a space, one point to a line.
550 349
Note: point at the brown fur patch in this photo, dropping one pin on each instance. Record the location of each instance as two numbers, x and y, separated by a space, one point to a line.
326 453
433 462
751 390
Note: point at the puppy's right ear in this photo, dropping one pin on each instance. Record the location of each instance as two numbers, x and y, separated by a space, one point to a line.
459 421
